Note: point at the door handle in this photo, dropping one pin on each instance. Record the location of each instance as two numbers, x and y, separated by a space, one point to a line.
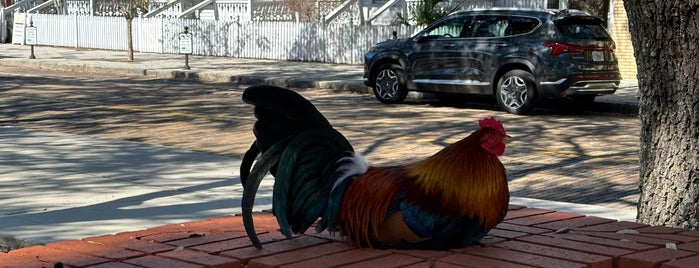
449 46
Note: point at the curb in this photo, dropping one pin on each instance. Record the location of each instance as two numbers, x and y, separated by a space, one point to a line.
68 67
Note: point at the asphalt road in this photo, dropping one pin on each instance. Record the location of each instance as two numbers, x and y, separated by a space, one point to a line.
556 155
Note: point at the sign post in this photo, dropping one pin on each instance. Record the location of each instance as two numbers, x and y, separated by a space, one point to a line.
30 37
186 46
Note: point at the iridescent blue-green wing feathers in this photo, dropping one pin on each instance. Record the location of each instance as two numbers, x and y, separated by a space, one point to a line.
304 178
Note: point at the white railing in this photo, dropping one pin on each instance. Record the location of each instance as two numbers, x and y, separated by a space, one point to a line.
299 41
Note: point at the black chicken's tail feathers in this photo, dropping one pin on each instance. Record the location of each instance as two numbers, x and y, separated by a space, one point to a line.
281 113
307 157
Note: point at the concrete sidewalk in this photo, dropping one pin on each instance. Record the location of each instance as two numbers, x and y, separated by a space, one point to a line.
60 186
225 69
167 66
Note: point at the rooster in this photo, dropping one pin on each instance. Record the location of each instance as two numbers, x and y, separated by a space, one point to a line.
449 200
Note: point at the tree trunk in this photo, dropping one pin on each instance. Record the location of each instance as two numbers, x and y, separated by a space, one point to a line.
129 38
664 35
599 8
60 6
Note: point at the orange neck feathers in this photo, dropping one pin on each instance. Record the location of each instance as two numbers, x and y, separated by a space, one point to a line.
468 180
462 179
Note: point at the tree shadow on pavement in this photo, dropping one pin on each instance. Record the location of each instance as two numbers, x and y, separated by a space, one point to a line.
556 155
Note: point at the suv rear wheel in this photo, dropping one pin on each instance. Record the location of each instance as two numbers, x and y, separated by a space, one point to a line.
389 84
516 92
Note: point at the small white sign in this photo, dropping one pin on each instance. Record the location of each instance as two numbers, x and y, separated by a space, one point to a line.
18 28
185 43
30 35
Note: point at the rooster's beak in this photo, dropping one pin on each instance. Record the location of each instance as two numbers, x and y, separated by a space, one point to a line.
508 138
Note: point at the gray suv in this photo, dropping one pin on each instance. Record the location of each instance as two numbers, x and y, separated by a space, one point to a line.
519 56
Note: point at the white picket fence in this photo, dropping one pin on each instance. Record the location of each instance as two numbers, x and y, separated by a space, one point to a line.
295 41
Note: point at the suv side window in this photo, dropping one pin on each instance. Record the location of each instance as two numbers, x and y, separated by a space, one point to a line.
449 28
488 26
500 26
521 25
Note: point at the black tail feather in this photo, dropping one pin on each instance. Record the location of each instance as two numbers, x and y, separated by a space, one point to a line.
262 166
281 113
247 162
297 144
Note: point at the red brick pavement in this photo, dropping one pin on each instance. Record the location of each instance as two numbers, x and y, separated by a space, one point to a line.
528 237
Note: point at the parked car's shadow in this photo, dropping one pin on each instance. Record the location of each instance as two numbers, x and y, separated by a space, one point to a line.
544 107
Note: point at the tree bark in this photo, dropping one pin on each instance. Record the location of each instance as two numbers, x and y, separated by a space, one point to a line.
129 38
664 34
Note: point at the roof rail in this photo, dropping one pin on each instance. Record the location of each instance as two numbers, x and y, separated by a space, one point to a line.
485 9
572 12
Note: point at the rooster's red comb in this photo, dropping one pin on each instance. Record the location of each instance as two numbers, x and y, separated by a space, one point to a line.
491 122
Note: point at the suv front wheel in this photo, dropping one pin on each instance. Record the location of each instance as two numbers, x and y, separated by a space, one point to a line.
516 92
389 84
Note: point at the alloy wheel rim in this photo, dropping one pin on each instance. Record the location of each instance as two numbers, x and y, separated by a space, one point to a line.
513 92
386 84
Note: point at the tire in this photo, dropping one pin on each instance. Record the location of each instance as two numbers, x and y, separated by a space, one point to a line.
389 84
516 92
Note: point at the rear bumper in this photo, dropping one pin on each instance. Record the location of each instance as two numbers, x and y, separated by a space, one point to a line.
580 85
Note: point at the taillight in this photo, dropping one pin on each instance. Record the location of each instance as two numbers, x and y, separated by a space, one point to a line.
560 48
